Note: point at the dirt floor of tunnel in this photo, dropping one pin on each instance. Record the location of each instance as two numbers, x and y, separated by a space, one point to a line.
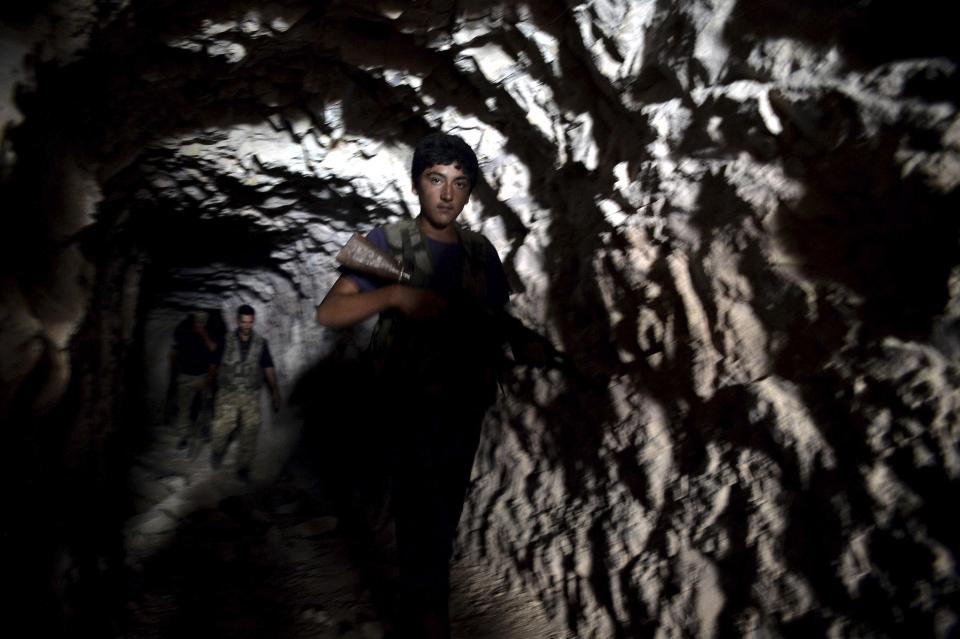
275 558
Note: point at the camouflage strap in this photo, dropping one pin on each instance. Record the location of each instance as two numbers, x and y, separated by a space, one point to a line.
406 240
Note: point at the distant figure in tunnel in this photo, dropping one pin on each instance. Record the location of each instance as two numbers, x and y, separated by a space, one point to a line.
436 355
190 360
245 362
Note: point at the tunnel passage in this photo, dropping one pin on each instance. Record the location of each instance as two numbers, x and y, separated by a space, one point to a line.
740 229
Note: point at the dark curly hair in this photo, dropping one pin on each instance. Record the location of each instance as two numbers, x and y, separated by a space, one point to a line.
245 309
443 148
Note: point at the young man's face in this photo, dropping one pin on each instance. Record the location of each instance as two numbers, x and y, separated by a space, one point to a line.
443 190
245 325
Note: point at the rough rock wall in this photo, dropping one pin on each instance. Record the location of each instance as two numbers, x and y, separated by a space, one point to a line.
737 218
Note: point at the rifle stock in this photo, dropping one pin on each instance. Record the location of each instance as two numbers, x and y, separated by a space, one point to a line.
362 255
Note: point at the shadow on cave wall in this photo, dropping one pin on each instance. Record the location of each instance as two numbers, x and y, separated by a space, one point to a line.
65 475
892 242
889 238
869 33
833 497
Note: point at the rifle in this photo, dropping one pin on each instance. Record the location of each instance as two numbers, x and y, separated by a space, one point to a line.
529 347
362 255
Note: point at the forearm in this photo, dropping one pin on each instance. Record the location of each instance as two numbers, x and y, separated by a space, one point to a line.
338 310
271 376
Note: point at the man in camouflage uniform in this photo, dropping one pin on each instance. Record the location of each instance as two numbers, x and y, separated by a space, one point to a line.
244 363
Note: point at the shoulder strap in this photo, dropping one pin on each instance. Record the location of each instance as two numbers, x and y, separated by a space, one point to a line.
416 253
393 232
406 241
474 244
475 262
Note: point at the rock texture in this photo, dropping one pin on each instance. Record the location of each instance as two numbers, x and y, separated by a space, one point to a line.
738 219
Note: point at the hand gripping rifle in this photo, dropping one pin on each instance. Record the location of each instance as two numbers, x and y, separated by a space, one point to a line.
529 347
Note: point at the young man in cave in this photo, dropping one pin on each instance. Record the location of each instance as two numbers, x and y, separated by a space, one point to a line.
244 363
435 353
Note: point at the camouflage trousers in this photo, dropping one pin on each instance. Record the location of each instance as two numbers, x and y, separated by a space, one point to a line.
237 410
189 389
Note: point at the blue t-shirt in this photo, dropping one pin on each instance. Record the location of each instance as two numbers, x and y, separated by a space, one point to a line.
447 270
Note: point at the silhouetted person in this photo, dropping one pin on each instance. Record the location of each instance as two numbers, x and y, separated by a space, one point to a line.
244 363
190 360
436 354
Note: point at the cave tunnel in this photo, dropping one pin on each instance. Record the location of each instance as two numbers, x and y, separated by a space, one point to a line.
737 220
